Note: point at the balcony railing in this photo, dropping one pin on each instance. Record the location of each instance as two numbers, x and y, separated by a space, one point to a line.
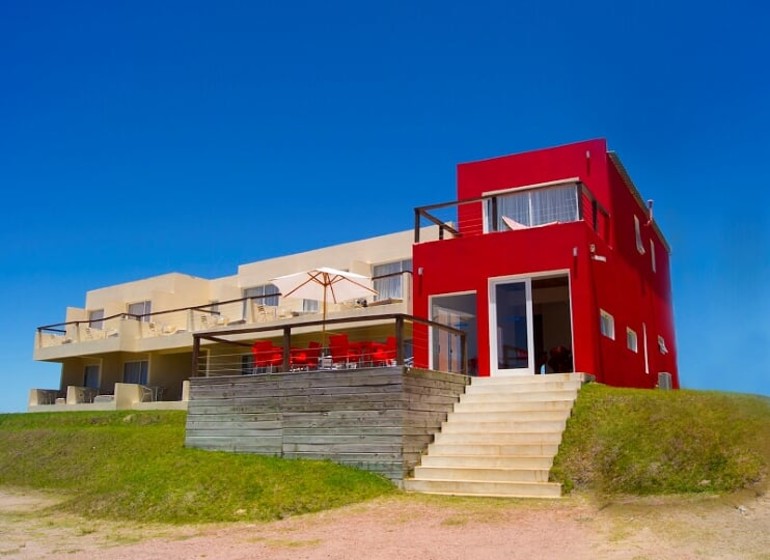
211 316
520 208
387 339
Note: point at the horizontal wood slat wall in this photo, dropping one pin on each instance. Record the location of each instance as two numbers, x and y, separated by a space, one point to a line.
378 419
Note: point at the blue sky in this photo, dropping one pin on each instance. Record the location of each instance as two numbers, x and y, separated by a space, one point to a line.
138 138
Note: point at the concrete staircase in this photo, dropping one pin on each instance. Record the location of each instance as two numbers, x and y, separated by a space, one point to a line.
501 438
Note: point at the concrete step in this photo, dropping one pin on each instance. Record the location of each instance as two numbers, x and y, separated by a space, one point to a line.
511 406
493 449
512 379
486 438
487 462
485 488
532 396
481 474
475 388
533 426
508 416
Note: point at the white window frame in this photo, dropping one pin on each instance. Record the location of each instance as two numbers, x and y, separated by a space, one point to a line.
638 233
393 286
145 311
269 290
662 345
607 324
96 319
632 341
532 205
310 306
144 369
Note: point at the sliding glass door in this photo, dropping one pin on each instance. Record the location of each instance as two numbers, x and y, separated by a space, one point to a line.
511 331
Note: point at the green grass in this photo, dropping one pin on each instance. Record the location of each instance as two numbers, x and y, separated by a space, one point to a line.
642 442
132 465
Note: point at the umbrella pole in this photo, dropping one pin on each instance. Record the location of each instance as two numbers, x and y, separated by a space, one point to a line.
323 324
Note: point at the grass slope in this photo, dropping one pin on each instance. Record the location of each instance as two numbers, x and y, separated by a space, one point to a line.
661 442
132 465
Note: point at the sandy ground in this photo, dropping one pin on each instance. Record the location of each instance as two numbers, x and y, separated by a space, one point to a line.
415 527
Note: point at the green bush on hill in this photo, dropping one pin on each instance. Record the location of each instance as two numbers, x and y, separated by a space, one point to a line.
133 465
661 442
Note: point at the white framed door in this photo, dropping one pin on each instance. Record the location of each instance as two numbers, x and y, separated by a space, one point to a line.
511 331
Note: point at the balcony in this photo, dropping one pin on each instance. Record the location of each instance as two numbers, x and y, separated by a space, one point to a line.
174 328
515 209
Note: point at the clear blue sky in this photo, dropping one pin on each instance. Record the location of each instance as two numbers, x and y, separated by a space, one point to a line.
138 138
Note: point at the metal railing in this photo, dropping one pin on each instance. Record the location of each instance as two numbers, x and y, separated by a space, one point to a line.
478 216
412 345
243 310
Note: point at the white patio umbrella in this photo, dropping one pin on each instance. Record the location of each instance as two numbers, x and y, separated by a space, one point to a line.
325 285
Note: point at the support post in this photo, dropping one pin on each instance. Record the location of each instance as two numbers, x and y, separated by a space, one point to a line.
195 354
286 348
400 340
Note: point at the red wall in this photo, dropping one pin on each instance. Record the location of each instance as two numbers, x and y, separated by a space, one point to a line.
624 285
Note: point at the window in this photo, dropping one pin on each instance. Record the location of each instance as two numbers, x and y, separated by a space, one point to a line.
247 364
631 340
91 377
662 345
638 232
388 279
96 319
652 256
310 306
141 309
136 372
607 324
536 207
266 294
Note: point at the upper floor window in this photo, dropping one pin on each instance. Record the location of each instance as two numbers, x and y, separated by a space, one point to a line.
266 294
607 324
534 207
310 306
96 319
388 279
638 232
141 308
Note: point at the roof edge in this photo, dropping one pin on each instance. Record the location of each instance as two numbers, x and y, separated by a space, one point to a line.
621 169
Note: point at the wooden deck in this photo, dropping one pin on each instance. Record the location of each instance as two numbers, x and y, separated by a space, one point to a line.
377 419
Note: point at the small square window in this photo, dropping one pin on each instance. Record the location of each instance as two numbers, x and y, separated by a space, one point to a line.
631 340
607 324
638 232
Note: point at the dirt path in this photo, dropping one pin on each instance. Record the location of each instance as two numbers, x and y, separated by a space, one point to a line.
414 527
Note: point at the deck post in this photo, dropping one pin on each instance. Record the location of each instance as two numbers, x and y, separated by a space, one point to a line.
195 354
400 340
286 348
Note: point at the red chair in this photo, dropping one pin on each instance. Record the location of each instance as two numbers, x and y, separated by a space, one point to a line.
339 346
385 354
266 356
306 358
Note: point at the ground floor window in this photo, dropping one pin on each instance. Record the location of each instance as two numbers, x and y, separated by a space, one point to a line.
247 364
631 340
607 324
91 376
136 372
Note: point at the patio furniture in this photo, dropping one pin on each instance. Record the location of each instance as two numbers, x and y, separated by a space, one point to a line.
339 347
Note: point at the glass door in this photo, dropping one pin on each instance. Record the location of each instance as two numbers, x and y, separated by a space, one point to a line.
511 335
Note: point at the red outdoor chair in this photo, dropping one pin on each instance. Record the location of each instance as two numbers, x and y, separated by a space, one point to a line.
339 346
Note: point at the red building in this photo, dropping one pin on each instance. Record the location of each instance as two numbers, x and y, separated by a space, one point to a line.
554 263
